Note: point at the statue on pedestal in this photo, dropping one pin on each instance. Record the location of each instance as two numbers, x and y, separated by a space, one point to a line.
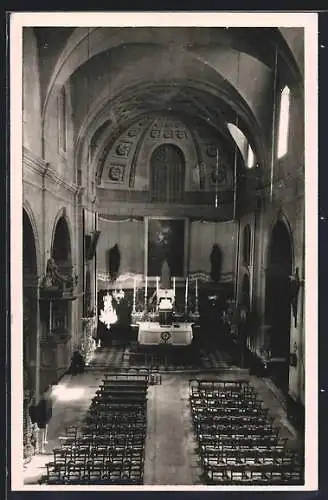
53 279
114 262
216 263
295 285
165 281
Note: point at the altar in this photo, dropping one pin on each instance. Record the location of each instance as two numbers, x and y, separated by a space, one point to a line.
155 334
164 327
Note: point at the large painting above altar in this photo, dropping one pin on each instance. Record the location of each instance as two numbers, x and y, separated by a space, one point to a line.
165 240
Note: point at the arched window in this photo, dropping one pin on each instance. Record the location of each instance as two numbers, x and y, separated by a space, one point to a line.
283 126
61 248
243 145
167 174
250 157
240 139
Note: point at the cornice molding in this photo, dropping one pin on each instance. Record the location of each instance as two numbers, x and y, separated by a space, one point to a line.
33 162
52 176
45 170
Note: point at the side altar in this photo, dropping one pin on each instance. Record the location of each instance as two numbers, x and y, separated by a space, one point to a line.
57 291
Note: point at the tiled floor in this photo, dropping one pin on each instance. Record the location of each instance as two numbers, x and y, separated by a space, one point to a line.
170 446
121 356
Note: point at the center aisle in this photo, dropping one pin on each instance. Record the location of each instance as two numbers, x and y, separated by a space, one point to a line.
170 457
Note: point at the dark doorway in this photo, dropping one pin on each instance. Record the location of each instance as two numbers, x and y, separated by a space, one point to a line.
29 303
61 249
277 304
167 174
61 253
30 326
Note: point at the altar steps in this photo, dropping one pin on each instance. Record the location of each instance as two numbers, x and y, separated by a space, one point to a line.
128 357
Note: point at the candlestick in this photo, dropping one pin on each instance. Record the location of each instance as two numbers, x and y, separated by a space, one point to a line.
186 295
216 177
146 292
134 295
196 308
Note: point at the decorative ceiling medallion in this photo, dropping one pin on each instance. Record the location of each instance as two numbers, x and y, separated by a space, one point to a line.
165 336
132 132
155 133
211 150
218 176
181 134
123 149
168 134
116 173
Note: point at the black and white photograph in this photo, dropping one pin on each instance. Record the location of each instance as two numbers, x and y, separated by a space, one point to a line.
164 251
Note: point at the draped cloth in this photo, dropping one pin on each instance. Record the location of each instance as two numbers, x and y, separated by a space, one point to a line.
120 248
203 235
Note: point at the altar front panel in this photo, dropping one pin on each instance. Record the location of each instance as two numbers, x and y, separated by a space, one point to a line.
154 334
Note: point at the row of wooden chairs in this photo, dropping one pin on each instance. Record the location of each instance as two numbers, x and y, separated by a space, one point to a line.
108 448
238 442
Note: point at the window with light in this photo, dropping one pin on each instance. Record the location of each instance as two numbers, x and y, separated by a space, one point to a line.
250 157
283 122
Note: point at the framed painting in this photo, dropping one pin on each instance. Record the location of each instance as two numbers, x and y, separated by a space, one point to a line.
166 239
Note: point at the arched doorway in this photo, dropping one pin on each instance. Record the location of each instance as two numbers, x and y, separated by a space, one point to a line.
167 174
29 303
61 247
30 328
61 253
277 302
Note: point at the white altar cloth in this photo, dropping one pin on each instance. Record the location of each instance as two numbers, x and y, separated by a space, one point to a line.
177 334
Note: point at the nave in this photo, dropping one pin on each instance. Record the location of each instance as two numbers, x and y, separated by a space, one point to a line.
133 426
164 242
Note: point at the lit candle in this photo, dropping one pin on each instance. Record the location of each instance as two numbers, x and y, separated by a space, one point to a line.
196 289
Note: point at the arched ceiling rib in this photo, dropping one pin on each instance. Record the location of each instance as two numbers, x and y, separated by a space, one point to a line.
136 79
213 73
87 42
187 100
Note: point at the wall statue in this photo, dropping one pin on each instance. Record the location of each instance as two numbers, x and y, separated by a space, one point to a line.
54 279
216 263
114 262
165 275
295 285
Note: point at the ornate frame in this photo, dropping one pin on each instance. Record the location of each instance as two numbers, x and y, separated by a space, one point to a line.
185 241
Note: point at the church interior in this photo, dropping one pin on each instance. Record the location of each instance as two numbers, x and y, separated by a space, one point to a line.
163 256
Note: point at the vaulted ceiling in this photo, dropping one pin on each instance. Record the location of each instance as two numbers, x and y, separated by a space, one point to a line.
219 75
